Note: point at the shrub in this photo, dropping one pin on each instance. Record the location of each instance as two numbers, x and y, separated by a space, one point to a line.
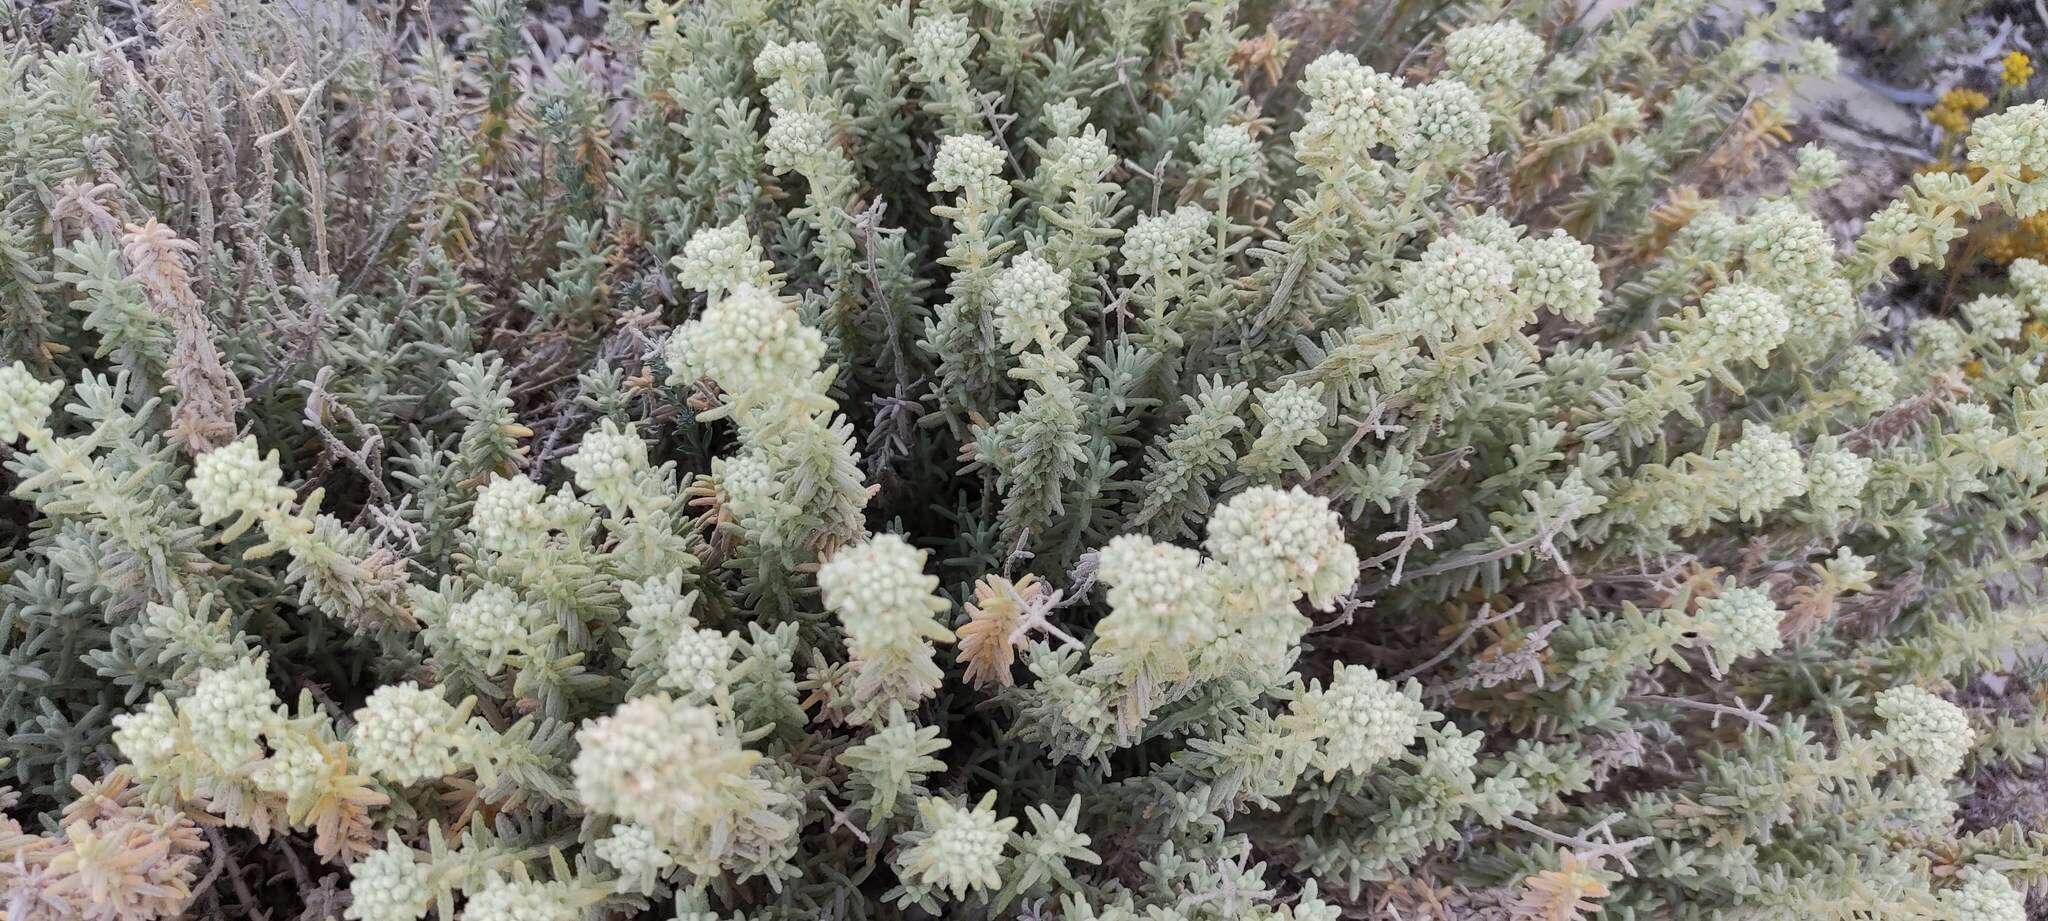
1095 460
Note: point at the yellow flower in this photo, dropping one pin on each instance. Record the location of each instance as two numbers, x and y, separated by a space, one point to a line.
2018 70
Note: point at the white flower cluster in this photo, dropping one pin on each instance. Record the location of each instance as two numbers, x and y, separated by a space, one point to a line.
697 663
1766 471
510 515
721 259
752 492
406 734
751 342
1994 317
519 900
24 401
1360 721
1835 479
490 625
1499 56
1986 895
790 69
1289 537
972 165
1162 606
1227 149
1449 123
662 762
607 463
1457 288
1290 416
2030 285
1932 732
1159 244
941 43
1075 162
1030 298
1817 168
1740 322
237 481
883 596
1784 240
796 140
388 885
2012 146
229 710
1870 379
1940 344
633 851
958 849
1739 623
1353 108
1559 273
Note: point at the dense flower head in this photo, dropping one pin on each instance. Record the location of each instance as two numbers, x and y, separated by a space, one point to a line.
1817 167
148 738
1292 412
753 492
751 342
697 662
1457 288
2013 147
1939 343
1075 162
1739 622
1817 57
960 849
1835 479
1994 317
795 62
1161 243
1354 108
1227 149
228 710
237 480
796 140
1159 600
1785 240
490 625
1290 537
659 761
388 884
508 514
633 850
882 594
1740 322
1560 274
1932 732
722 258
606 462
1031 300
519 900
1496 56
1870 378
941 42
1767 471
24 401
1450 123
406 734
1821 314
2029 279
971 164
1986 895
1361 720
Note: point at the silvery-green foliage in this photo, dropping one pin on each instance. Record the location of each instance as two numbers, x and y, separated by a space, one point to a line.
1114 460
